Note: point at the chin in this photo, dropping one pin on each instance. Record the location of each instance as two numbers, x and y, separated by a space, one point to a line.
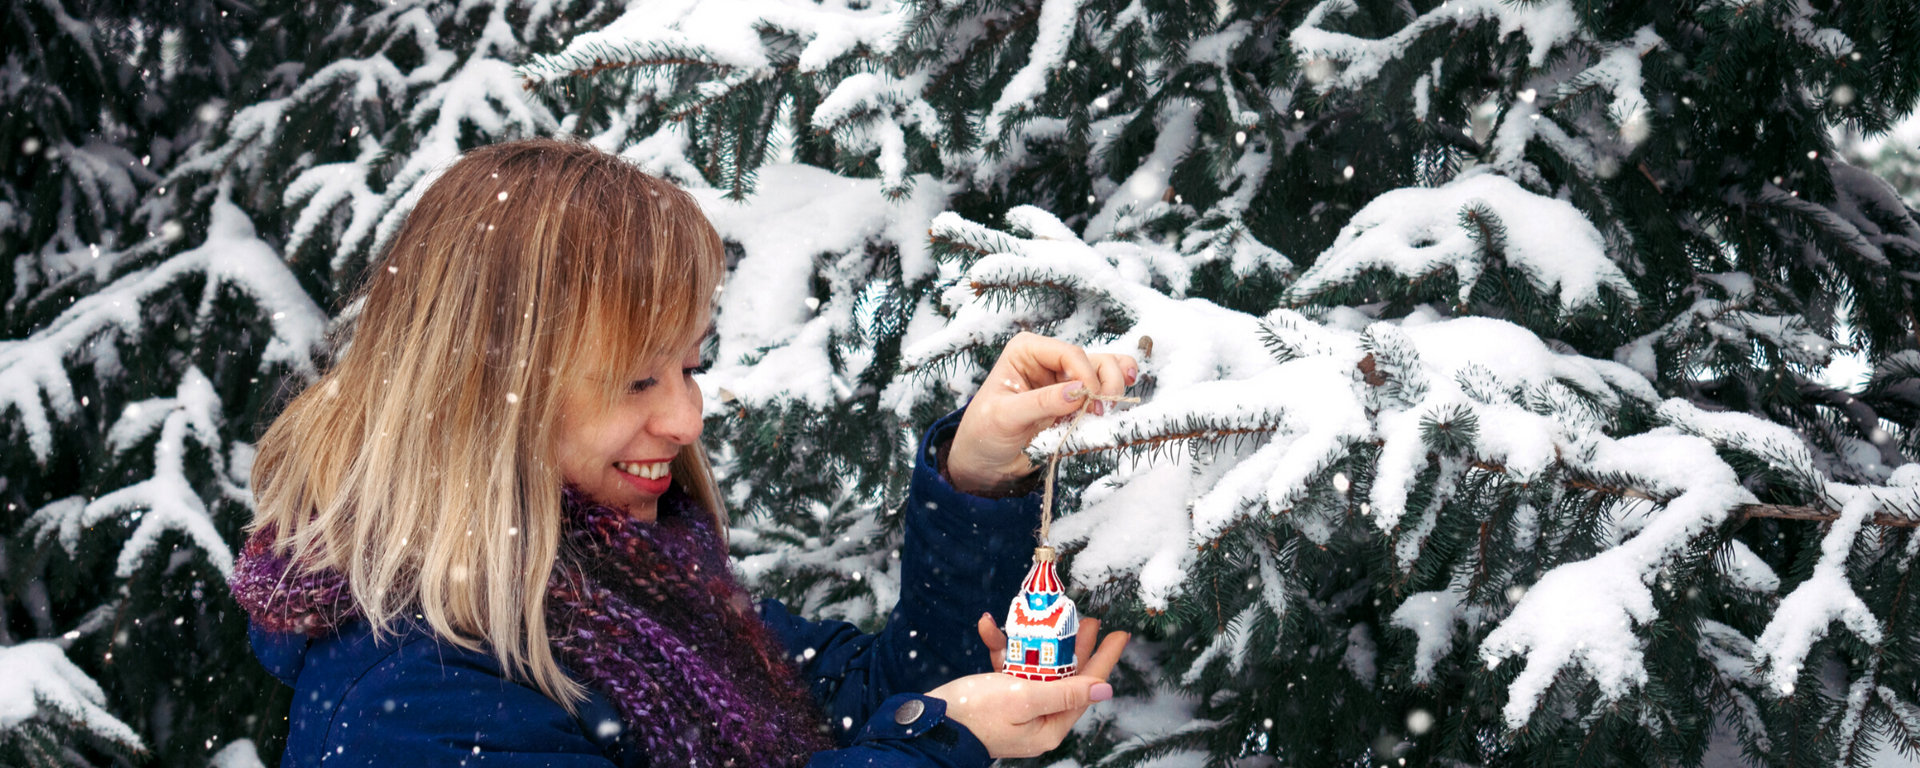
645 512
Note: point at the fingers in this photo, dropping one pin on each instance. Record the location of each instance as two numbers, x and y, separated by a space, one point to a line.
1112 378
1101 663
995 640
1066 695
1086 635
1046 404
1052 358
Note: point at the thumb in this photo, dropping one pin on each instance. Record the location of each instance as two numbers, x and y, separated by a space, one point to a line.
1048 404
1065 695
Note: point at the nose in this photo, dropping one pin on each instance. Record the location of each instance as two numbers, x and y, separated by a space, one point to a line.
678 419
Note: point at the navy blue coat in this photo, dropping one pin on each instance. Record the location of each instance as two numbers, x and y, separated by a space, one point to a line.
411 700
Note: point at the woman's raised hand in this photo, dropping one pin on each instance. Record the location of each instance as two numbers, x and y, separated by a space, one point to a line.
1036 382
1024 718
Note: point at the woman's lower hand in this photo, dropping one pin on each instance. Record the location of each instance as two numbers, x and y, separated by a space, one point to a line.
1024 718
1035 383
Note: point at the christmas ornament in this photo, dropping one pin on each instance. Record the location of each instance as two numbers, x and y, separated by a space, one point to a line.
1043 623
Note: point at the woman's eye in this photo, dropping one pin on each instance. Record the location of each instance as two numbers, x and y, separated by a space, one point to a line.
698 369
642 385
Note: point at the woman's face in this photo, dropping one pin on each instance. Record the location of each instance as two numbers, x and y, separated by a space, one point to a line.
620 456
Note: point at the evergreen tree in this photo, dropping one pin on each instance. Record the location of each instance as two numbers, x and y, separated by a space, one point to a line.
1513 458
1483 420
292 144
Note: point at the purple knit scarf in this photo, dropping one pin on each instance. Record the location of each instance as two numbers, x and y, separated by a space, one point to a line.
647 614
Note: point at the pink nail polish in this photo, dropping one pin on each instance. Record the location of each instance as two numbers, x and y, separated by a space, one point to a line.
1100 692
1074 391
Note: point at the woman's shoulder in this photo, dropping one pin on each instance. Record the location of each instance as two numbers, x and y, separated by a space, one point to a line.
409 696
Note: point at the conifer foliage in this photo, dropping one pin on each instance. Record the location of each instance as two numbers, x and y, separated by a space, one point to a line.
199 186
1483 413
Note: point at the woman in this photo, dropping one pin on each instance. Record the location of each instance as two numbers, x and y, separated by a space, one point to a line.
489 534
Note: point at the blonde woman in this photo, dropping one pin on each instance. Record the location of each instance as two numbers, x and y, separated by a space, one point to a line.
489 535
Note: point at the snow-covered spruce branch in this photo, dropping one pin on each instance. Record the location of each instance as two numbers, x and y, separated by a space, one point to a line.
594 60
1433 399
1414 233
36 386
42 690
1902 518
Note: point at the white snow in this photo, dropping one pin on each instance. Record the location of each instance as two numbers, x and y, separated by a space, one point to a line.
38 682
231 258
164 502
1137 197
239 753
1431 617
1058 20
1805 613
1414 232
800 213
1545 25
1143 531
1583 613
1536 408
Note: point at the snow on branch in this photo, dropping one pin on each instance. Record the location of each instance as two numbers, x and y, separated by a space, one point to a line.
1058 21
1416 233
774 334
733 34
1546 25
38 685
166 501
33 372
1827 596
1285 419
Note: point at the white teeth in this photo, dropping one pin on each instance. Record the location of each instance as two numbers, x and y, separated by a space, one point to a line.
653 471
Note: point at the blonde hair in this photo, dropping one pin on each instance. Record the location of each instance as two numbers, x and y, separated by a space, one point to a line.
421 464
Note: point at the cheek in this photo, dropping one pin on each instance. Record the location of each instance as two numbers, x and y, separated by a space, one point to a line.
580 443
590 444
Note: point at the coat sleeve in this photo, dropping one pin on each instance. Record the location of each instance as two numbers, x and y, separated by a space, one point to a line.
426 705
963 556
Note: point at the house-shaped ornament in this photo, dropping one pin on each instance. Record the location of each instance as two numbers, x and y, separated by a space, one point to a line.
1042 624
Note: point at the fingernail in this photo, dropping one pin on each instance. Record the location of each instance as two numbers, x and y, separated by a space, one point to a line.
1074 391
1133 374
1100 692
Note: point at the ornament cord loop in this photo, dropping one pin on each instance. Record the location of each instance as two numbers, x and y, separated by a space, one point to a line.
1053 459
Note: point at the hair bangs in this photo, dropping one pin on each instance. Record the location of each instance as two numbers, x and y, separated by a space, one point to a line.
652 279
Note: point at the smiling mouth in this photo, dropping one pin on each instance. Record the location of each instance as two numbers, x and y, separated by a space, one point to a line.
653 470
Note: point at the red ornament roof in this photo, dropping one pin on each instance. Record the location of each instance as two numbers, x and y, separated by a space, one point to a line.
1041 579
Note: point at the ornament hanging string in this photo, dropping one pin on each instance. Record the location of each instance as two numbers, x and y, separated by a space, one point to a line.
1053 459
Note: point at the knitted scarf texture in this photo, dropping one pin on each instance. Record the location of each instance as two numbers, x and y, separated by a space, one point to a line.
647 614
